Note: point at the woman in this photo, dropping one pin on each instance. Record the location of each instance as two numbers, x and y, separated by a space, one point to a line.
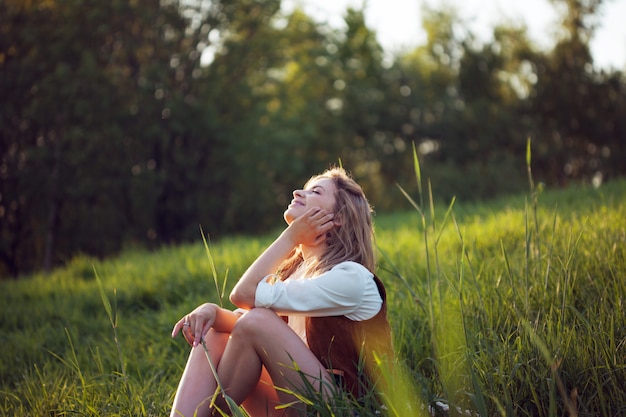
318 274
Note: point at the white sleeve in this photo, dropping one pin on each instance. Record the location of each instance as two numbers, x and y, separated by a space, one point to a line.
348 289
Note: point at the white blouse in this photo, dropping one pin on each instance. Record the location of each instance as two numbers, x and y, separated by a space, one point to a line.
348 289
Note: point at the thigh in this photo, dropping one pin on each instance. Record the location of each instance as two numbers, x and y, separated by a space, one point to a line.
286 357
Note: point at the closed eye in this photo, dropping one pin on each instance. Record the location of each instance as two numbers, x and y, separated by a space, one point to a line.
317 189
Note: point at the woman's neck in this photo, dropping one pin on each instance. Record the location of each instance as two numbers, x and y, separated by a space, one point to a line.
312 254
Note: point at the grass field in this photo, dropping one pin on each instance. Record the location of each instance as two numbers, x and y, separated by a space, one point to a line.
513 307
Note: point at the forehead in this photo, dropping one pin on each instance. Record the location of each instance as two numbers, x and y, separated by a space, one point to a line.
326 183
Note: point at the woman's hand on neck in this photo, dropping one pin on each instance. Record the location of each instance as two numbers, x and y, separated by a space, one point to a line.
308 232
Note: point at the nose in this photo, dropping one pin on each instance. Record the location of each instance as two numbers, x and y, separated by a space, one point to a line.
298 193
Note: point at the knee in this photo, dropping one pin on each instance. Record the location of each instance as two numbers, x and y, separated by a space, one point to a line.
254 321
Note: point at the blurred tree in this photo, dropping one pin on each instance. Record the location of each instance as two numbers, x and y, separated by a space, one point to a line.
429 103
493 124
83 84
215 131
362 99
580 132
270 85
128 122
51 127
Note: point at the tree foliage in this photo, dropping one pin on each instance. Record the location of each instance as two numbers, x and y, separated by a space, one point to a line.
128 123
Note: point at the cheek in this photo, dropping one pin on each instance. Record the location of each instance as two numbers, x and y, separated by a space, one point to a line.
330 206
322 202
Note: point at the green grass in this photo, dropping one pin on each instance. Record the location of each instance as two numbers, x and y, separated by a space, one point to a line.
513 307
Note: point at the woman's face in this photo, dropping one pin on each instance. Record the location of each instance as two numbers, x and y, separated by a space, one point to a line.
318 193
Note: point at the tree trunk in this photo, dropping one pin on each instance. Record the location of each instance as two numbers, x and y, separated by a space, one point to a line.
53 215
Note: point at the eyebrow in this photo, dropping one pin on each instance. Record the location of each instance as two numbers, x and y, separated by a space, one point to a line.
317 186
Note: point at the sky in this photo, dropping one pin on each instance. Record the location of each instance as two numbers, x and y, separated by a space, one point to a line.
398 22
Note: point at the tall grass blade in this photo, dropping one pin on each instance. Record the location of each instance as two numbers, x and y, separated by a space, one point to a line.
234 408
410 199
466 255
209 255
528 165
112 314
550 252
554 366
395 271
448 214
527 249
418 171
507 265
105 301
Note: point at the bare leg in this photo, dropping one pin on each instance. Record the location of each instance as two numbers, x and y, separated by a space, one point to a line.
261 338
197 385
262 399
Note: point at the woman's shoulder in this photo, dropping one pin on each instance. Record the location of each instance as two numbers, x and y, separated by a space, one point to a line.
353 267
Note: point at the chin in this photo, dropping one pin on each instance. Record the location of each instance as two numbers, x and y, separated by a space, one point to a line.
289 217
292 213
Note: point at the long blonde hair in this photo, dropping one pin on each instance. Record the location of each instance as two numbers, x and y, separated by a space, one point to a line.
352 240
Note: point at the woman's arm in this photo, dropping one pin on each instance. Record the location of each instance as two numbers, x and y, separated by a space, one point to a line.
308 229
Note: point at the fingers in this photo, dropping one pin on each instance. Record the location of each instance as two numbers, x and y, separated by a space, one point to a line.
198 333
189 335
324 223
178 326
184 325
205 330
310 228
320 213
195 324
321 219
